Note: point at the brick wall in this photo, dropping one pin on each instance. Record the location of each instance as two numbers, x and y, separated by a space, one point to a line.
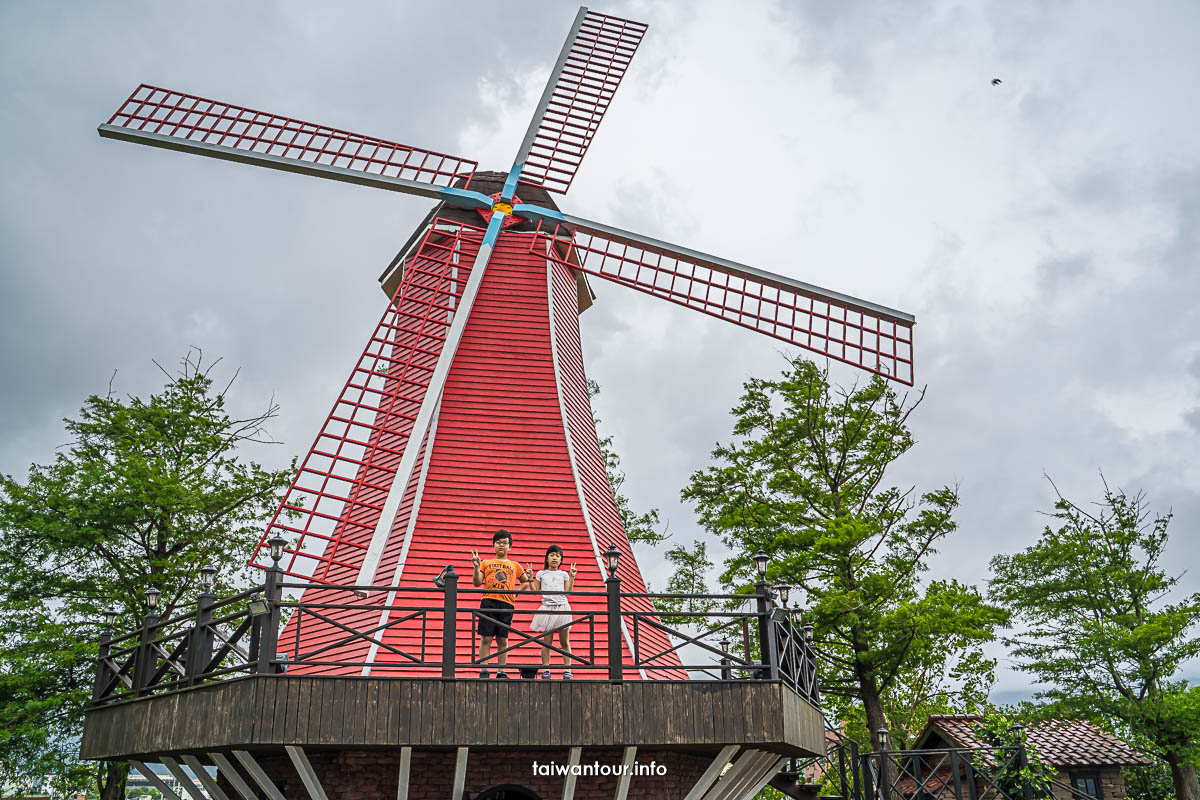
373 775
1112 784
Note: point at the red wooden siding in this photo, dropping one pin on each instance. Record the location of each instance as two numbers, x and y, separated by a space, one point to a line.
499 459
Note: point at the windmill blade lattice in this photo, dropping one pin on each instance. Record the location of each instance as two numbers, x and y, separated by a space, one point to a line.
573 106
856 332
331 510
177 121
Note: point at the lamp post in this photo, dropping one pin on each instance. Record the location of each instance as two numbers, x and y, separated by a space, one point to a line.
102 670
767 646
884 788
1018 731
266 635
143 668
200 653
612 585
447 580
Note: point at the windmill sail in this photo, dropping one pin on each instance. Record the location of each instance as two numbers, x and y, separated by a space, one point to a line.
589 70
176 121
847 329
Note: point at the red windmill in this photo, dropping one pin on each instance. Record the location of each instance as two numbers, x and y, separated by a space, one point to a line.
468 410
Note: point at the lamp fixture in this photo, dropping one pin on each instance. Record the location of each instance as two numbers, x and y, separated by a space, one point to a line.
208 577
439 580
258 607
611 557
276 542
761 559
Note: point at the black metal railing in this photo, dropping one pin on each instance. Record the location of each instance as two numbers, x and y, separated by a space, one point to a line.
753 639
844 772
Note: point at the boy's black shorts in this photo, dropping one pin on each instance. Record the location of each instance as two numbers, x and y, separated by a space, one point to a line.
492 615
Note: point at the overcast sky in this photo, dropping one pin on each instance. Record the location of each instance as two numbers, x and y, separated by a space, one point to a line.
1043 231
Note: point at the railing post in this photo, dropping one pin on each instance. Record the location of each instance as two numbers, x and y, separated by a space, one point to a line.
102 668
1023 761
143 667
268 634
868 790
855 771
955 770
449 621
201 648
613 585
767 643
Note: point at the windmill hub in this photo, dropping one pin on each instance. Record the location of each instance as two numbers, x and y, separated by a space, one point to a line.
502 207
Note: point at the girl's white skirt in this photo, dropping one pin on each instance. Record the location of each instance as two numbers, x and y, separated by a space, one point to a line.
548 622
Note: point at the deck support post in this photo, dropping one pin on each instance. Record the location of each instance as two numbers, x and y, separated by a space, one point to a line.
613 585
143 667
268 632
449 621
201 647
768 650
102 668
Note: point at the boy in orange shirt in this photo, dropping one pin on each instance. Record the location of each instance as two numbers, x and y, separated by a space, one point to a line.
500 577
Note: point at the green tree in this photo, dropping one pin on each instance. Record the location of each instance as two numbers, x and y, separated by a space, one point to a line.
1099 625
146 493
1149 782
640 528
690 577
804 481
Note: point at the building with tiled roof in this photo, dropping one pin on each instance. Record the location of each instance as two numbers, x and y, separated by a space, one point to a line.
1087 759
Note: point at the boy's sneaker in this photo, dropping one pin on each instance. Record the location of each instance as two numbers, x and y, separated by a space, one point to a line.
500 674
545 674
568 676
483 673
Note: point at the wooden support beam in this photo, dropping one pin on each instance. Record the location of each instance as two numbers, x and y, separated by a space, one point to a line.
260 777
167 792
712 773
744 773
572 762
307 774
405 769
626 773
225 768
460 774
185 783
206 780
766 776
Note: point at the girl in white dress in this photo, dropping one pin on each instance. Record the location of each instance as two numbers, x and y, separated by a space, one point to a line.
550 581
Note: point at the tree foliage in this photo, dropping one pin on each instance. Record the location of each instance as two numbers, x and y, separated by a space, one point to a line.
999 729
692 567
804 480
1102 625
146 493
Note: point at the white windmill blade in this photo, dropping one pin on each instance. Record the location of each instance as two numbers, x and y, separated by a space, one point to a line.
589 69
845 328
176 121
